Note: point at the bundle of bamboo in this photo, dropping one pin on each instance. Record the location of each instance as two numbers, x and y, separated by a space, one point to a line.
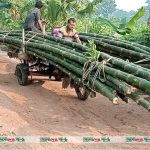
97 71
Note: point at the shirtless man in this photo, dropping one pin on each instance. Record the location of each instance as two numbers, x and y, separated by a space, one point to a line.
68 32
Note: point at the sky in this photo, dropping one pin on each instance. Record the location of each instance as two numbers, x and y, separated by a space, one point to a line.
128 5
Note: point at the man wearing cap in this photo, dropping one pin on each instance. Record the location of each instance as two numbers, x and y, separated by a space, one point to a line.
33 20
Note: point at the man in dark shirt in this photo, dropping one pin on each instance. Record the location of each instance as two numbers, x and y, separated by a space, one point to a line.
33 20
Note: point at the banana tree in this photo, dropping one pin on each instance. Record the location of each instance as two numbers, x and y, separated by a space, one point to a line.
57 11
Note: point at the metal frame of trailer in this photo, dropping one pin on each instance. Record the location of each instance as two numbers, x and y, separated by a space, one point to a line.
34 66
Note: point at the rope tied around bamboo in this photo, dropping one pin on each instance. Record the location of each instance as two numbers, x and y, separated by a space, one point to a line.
95 70
26 42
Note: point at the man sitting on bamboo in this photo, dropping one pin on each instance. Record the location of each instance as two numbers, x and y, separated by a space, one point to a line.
68 32
33 20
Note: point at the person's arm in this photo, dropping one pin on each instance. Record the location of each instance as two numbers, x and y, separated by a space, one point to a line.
78 40
60 33
40 25
76 36
38 19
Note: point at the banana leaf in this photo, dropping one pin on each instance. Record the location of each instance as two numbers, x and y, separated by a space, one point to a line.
136 17
128 27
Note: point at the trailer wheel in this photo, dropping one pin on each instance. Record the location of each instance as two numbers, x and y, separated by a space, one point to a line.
81 93
58 75
57 78
22 72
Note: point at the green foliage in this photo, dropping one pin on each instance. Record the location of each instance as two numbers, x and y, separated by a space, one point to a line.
5 4
12 13
125 27
137 16
90 8
95 26
92 54
57 11
54 11
140 35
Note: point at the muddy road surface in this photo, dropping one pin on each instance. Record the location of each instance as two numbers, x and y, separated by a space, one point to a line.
43 108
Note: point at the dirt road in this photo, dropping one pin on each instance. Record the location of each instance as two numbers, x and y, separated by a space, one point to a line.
44 109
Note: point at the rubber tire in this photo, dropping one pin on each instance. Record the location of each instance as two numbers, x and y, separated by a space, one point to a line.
81 96
57 77
22 72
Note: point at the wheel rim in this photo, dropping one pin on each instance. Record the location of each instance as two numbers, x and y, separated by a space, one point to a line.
81 90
